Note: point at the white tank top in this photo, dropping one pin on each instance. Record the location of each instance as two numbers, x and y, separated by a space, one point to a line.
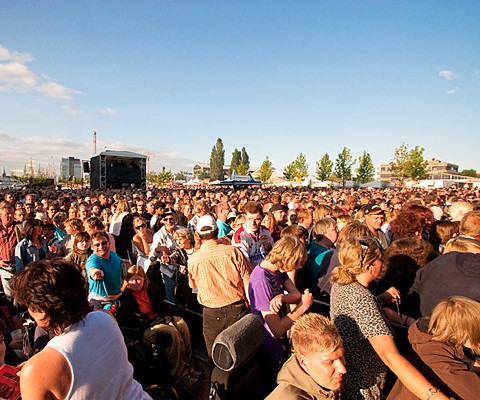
96 353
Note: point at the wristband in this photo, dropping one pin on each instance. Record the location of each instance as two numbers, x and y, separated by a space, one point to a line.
431 392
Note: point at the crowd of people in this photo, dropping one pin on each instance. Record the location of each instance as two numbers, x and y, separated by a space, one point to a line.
378 258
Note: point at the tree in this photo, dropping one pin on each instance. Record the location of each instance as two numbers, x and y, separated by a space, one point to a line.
365 170
400 158
343 166
324 168
163 177
244 166
217 161
469 172
266 170
297 170
180 176
236 160
416 166
289 171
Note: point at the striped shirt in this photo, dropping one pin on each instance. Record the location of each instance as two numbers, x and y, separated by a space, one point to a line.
220 272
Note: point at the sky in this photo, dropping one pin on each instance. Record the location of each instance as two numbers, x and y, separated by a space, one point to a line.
279 78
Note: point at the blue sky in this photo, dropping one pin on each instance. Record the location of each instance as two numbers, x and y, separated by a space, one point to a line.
278 77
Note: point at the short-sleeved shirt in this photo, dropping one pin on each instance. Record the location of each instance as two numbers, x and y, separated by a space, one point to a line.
112 278
358 316
263 287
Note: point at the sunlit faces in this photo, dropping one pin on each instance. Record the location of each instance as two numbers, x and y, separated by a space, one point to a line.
378 269
182 241
101 247
325 368
83 246
20 215
332 233
135 283
253 221
374 222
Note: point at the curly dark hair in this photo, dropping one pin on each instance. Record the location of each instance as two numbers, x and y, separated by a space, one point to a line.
407 224
55 287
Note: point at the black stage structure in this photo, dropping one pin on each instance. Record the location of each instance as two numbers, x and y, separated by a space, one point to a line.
118 169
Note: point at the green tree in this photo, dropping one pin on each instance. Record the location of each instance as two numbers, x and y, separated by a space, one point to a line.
180 176
365 170
297 170
236 160
343 165
289 171
164 177
217 161
266 170
244 166
151 177
469 172
416 166
399 162
324 168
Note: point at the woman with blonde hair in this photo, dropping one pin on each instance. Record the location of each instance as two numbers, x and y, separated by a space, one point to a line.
268 283
448 345
362 323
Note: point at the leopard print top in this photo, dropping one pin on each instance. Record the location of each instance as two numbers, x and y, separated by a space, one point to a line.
358 316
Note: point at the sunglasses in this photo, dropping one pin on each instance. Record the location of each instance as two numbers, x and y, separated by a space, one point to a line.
168 219
101 244
140 226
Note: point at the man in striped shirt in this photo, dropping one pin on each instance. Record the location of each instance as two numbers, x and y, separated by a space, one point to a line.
221 274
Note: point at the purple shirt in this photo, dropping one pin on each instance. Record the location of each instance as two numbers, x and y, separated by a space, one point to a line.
264 286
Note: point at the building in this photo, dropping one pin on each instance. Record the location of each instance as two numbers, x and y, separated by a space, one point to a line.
69 167
436 170
204 169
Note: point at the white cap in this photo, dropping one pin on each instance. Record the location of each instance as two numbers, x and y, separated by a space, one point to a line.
206 224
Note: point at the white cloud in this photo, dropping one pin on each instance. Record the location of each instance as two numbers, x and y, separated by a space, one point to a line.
54 89
453 90
45 149
16 76
106 111
70 109
7 55
448 75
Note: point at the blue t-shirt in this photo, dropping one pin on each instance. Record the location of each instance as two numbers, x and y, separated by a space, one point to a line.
264 285
112 278
223 228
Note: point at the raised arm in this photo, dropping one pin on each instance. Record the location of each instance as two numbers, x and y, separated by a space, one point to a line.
412 379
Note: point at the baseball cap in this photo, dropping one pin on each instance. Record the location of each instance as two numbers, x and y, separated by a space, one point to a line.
373 209
206 224
278 207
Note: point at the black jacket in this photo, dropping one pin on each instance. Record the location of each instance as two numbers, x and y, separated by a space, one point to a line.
129 315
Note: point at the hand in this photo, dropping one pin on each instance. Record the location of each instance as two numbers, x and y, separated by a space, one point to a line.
276 304
307 299
5 263
20 366
390 295
53 249
265 241
96 274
